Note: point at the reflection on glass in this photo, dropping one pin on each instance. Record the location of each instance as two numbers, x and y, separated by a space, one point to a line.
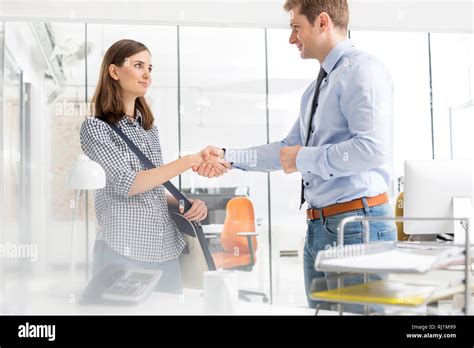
222 88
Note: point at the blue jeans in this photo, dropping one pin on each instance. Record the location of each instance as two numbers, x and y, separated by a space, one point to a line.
170 280
323 232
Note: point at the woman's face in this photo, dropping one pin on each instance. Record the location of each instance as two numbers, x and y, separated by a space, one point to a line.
134 75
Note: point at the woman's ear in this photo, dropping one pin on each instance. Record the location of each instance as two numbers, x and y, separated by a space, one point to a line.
113 72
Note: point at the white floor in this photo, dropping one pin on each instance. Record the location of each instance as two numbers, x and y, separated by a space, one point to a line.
288 281
287 278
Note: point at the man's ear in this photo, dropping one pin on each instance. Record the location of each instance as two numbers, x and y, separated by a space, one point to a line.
113 72
324 21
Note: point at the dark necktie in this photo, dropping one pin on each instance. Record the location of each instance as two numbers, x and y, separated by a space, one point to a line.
322 74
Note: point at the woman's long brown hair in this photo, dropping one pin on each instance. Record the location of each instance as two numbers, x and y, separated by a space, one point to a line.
107 103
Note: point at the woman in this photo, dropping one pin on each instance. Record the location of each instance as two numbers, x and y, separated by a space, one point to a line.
135 226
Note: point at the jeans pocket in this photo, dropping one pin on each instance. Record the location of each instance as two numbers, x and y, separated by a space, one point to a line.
352 230
310 238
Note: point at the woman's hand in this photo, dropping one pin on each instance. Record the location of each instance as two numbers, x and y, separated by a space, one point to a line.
197 212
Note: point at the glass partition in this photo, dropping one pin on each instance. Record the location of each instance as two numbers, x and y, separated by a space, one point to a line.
406 56
211 87
288 77
452 58
223 95
2 218
14 230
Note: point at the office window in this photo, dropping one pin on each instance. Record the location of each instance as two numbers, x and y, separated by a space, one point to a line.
452 58
2 200
64 108
44 69
288 77
223 104
406 57
12 228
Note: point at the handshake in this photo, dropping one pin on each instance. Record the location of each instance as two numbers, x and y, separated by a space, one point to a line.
210 162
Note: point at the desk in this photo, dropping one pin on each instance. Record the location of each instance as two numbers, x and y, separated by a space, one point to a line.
190 302
212 229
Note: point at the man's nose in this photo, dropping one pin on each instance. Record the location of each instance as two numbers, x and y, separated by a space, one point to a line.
293 39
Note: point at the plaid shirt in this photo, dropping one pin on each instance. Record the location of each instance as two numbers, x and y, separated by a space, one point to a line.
140 226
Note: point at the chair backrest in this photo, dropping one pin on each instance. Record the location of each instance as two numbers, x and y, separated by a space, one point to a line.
401 236
240 217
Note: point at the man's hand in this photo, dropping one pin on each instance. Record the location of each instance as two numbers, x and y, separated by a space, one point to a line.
213 164
197 212
288 158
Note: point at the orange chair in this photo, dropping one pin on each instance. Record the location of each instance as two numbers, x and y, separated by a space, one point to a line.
239 241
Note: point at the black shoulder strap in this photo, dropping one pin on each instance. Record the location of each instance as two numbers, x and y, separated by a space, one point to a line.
173 190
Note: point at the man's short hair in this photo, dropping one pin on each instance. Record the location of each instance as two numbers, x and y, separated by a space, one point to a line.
338 10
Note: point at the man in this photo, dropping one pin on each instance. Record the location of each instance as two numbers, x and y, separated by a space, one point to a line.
340 142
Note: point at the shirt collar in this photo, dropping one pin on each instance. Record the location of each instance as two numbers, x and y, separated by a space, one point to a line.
138 119
335 55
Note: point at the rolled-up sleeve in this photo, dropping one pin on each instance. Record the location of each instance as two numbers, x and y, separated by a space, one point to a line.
97 144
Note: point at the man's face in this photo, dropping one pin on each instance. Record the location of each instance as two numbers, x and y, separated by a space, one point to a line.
303 34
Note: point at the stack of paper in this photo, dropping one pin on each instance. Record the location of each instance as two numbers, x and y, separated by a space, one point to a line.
381 262
380 292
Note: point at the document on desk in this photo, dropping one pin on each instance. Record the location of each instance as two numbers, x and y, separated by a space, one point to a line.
382 262
379 292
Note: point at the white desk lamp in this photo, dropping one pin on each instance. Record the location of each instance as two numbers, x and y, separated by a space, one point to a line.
84 174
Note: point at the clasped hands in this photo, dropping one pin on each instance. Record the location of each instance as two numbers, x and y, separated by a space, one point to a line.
210 162
213 163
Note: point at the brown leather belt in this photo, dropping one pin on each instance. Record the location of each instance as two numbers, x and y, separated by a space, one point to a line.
340 208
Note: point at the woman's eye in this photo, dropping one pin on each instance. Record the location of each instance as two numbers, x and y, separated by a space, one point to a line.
137 65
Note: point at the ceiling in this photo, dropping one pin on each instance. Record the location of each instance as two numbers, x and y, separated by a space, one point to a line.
415 15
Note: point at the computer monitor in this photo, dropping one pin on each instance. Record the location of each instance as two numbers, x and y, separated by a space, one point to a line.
216 200
438 188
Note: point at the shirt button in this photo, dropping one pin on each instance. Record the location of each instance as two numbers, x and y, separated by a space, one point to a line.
307 183
331 175
312 131
308 172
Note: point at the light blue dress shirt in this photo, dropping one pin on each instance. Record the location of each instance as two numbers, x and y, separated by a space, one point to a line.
349 153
